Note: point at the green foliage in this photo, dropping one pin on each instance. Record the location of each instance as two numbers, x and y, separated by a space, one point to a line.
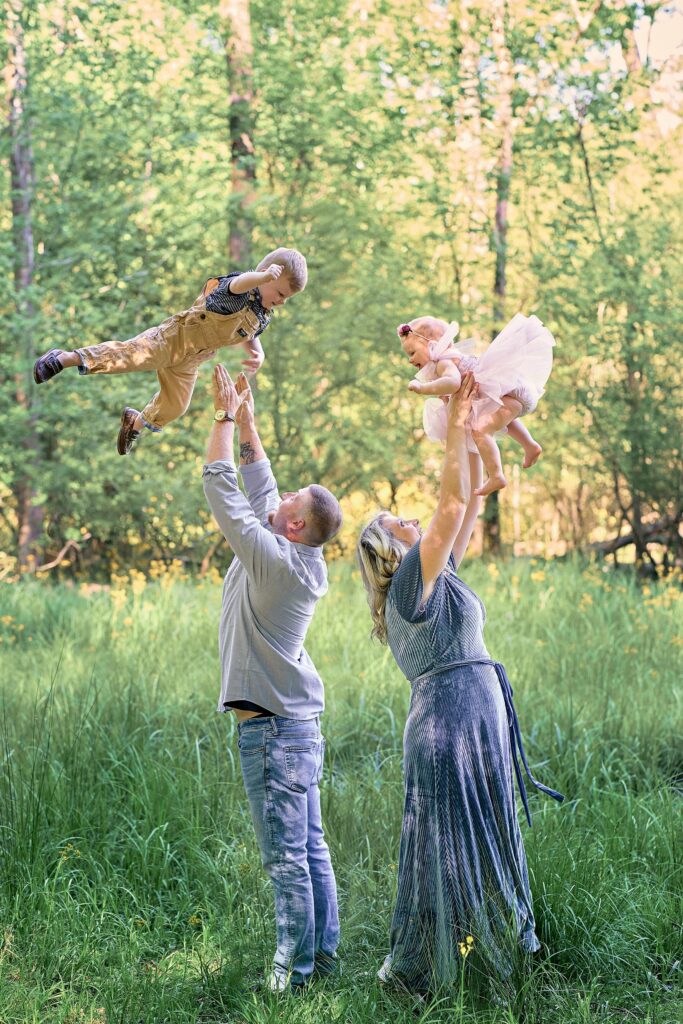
376 133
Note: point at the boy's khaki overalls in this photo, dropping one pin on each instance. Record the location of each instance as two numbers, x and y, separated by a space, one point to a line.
174 349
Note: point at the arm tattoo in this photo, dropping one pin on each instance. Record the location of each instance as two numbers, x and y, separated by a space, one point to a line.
247 453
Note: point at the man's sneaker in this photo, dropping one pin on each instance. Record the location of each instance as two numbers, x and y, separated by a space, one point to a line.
47 367
128 435
280 983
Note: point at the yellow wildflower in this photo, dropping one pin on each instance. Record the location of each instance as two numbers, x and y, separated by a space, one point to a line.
138 582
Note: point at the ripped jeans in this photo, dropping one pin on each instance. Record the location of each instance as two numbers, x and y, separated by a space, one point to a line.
282 761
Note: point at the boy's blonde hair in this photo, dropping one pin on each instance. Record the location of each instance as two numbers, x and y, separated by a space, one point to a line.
293 264
379 555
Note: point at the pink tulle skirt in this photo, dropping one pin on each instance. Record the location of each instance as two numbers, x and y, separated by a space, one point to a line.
517 363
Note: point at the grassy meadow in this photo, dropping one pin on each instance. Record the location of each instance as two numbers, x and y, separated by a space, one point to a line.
130 885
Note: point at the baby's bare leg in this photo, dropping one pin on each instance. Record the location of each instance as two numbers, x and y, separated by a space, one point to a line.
486 444
490 456
519 433
447 385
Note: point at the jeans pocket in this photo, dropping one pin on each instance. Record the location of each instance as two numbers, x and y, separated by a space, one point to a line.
302 766
250 743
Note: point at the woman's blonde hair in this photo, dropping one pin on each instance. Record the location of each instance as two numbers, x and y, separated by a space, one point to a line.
293 264
379 555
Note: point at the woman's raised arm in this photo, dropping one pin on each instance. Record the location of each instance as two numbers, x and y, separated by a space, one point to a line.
439 538
471 512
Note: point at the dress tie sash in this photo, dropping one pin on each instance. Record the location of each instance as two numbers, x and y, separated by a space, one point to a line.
516 744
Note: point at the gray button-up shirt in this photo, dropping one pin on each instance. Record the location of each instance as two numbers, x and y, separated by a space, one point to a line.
269 596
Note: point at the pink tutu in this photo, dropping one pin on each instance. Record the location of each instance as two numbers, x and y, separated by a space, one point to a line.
517 363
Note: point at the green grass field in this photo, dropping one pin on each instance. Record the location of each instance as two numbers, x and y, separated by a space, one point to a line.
130 886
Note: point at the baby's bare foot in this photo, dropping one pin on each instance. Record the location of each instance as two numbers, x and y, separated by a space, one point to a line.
531 454
494 483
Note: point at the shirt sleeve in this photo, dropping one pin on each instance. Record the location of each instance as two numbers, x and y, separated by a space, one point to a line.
261 488
255 546
407 587
222 291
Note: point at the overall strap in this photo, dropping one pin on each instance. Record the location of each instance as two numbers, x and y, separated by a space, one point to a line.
209 287
513 725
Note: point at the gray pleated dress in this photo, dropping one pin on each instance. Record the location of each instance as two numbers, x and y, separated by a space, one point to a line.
462 867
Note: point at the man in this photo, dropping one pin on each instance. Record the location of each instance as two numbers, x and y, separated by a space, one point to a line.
269 596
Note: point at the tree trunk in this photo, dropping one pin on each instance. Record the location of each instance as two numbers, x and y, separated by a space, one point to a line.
503 177
239 55
29 512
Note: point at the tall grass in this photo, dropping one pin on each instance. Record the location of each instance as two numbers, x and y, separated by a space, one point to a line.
130 885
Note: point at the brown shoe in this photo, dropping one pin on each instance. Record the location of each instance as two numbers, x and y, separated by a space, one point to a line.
127 433
47 367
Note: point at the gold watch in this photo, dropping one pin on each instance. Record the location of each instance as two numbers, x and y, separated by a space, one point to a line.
221 415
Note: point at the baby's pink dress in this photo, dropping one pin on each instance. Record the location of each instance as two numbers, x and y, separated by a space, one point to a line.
517 362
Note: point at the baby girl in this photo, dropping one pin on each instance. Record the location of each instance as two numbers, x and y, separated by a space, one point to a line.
511 375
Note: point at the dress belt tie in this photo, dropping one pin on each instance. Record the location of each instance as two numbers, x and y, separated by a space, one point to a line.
513 725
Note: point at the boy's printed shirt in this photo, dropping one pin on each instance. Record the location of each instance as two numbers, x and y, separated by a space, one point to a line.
221 300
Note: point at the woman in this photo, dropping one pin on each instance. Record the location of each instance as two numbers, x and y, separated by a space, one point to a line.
463 882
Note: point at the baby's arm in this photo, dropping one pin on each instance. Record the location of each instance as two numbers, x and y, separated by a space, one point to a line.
447 382
253 278
254 349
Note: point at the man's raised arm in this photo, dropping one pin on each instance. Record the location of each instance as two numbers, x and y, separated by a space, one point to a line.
251 449
259 482
255 546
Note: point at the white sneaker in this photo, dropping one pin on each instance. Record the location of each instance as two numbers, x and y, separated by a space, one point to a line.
384 974
280 982
277 982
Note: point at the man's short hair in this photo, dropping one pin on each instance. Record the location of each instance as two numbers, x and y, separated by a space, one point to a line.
293 266
324 516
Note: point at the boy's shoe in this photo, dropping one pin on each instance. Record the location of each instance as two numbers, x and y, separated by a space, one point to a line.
47 367
128 435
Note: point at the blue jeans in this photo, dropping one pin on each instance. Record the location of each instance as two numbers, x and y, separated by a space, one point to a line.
282 763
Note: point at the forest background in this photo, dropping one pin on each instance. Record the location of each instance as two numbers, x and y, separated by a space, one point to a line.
469 160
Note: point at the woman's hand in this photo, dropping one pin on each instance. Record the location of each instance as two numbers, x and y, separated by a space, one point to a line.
460 404
225 394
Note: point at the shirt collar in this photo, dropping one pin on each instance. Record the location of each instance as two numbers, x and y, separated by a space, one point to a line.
257 302
306 550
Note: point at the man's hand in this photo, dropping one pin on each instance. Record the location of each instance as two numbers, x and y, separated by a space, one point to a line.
225 395
245 413
251 449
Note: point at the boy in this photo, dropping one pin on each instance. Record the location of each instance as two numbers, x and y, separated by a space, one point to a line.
231 310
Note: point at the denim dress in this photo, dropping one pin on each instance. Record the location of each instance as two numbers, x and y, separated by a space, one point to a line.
462 867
